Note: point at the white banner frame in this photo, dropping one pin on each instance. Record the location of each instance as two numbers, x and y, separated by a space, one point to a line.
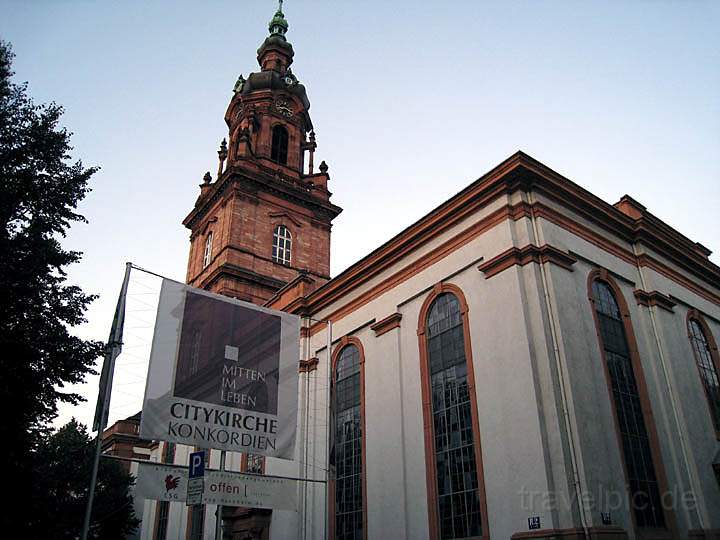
194 422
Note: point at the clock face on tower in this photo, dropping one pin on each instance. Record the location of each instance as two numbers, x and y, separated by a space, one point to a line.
283 107
288 80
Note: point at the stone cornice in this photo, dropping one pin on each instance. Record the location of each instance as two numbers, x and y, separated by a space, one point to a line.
521 172
654 298
388 323
240 249
308 365
525 255
240 273
237 175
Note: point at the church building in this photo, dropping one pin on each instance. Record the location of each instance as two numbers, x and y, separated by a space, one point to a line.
525 361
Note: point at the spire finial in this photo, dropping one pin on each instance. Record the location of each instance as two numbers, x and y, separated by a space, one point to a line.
278 25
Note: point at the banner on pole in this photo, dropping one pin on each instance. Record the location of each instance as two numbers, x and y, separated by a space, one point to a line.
223 374
164 483
112 351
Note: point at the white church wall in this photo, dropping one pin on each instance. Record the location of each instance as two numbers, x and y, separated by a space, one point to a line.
598 449
491 242
384 435
550 365
510 433
698 446
415 484
523 438
671 341
503 364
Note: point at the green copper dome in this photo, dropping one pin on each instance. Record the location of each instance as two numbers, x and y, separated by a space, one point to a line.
278 25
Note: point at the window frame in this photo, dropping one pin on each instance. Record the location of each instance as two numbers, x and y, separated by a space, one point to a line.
245 463
287 245
161 522
276 159
207 253
696 316
431 473
604 276
344 342
168 455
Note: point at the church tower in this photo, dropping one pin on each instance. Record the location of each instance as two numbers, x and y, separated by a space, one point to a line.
265 220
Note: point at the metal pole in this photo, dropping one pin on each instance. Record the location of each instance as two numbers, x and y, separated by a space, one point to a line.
329 424
114 346
218 514
306 519
93 480
178 466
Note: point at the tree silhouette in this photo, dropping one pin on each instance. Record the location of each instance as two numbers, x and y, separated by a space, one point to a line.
40 188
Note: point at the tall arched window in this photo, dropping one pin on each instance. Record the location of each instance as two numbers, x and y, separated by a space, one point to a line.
631 414
279 151
348 515
282 245
706 358
456 494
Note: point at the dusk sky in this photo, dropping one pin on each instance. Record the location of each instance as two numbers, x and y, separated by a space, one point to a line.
411 101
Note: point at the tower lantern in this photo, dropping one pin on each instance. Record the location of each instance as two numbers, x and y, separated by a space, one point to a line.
278 25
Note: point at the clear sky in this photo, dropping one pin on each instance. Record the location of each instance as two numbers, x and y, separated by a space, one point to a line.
411 100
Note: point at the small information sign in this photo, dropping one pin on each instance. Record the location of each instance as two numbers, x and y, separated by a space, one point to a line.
195 490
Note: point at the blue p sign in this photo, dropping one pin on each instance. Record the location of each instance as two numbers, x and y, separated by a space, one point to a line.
197 464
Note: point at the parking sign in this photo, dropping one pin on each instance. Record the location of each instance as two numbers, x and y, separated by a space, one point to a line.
197 464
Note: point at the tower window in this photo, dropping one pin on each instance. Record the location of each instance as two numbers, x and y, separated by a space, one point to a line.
207 257
703 349
279 150
636 451
348 435
282 244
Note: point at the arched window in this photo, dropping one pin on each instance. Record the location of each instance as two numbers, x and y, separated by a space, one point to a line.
348 521
282 244
279 149
630 414
207 256
456 494
706 358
